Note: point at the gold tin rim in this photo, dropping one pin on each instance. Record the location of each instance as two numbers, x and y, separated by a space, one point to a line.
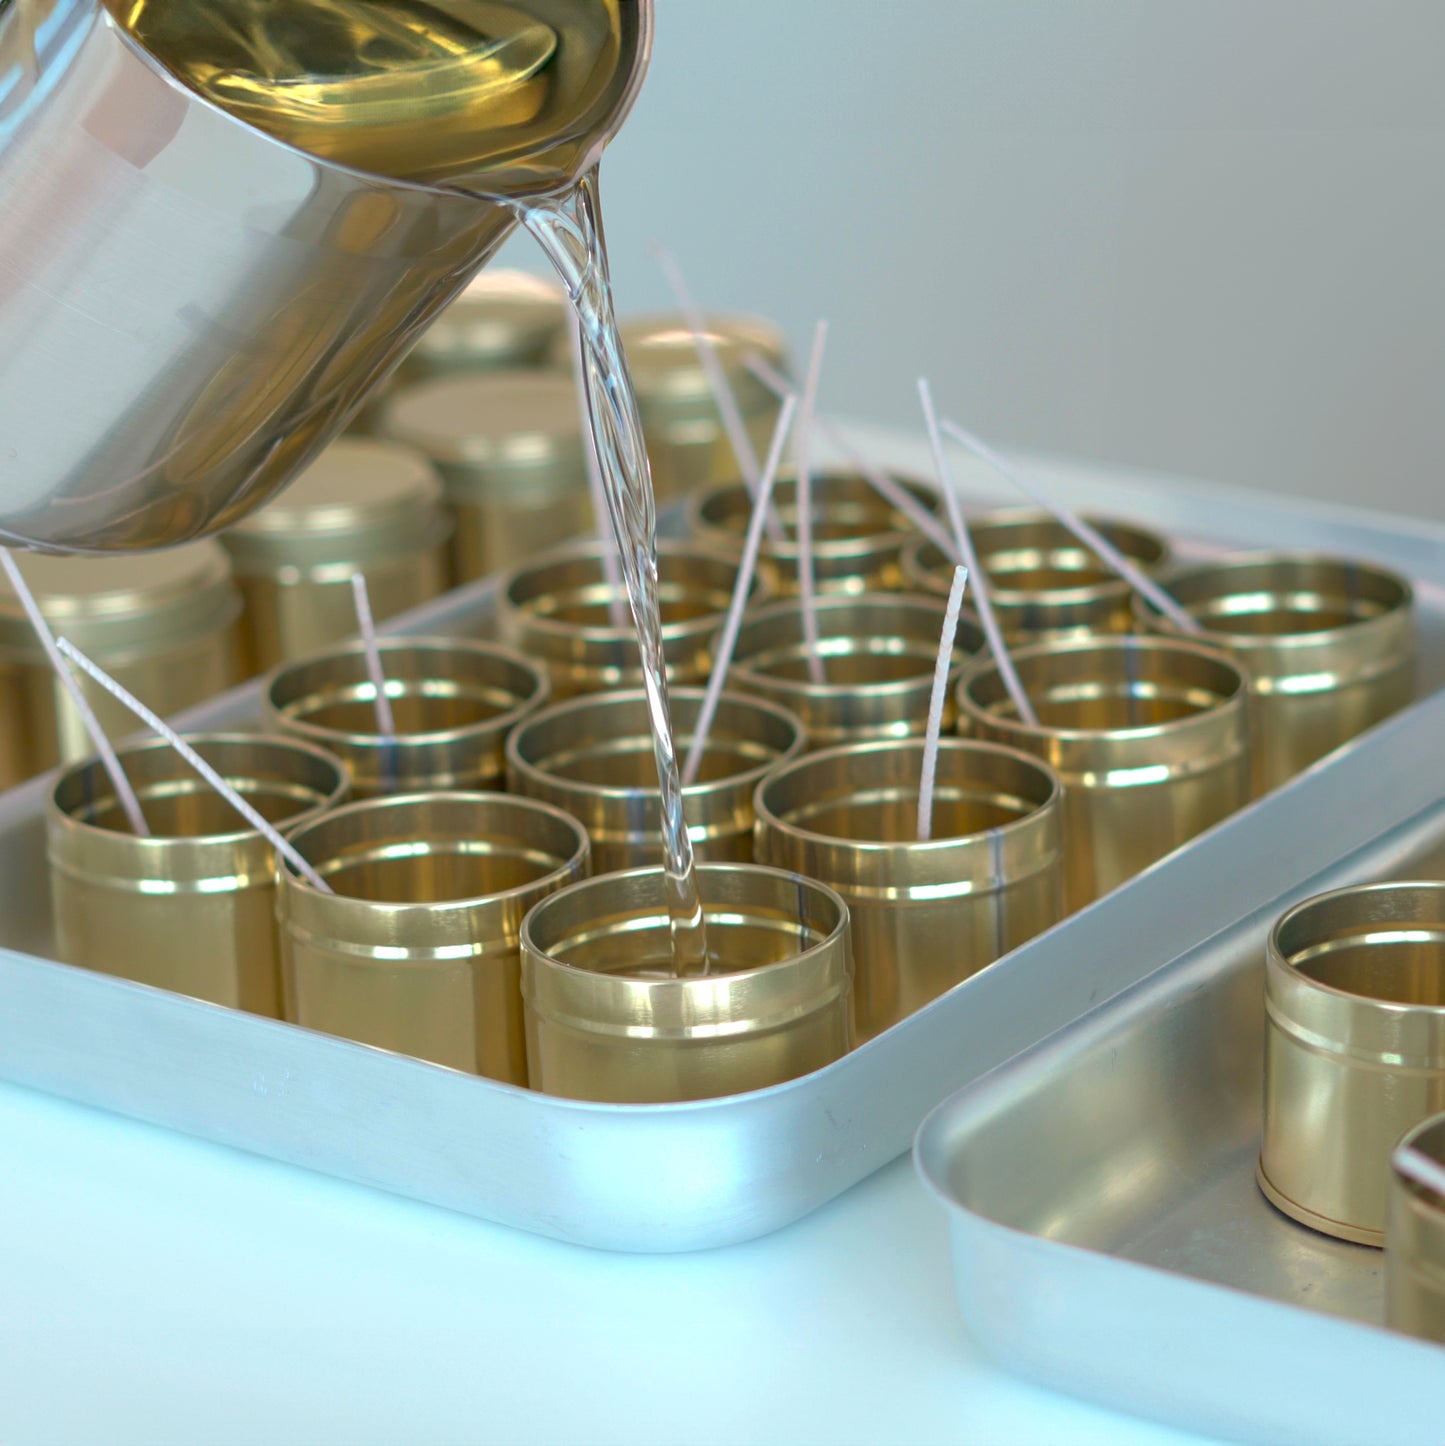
665 384
1112 589
875 603
555 713
375 742
1426 1206
1271 654
501 303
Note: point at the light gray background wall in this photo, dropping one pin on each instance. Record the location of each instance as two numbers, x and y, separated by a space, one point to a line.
1203 236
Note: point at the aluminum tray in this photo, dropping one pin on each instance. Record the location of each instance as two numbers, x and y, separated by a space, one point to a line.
1109 1238
680 1177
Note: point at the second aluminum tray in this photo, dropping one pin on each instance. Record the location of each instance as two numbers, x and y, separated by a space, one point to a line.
688 1176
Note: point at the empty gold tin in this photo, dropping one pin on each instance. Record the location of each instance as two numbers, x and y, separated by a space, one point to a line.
508 446
924 915
686 443
453 703
1044 583
1150 737
365 506
163 624
607 1021
1354 1049
1329 646
192 907
594 757
1415 1241
417 949
555 610
504 319
879 651
858 537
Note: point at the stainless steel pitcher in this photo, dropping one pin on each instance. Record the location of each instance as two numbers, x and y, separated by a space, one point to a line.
190 309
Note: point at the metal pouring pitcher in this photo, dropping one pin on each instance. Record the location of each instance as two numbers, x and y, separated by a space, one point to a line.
189 308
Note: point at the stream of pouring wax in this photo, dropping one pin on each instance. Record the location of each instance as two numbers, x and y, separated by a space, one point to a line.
492 100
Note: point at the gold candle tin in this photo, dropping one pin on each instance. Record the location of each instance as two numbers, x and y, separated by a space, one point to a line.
1329 646
1415 1241
858 537
363 505
453 702
606 1021
686 443
509 448
1354 1049
594 757
503 320
1044 583
924 915
556 611
1149 735
417 950
163 624
879 651
190 908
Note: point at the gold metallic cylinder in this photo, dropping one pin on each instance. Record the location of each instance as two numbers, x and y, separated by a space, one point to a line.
878 650
556 611
594 757
1354 1049
453 703
858 537
1043 582
502 321
417 950
606 1020
365 506
1415 1240
686 444
923 915
509 449
191 907
163 624
1149 735
1329 646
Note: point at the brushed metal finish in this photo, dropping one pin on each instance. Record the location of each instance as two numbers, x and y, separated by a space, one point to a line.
417 950
1150 737
193 309
878 652
606 1020
189 908
1109 1238
1043 582
454 703
1415 1241
1329 645
593 757
924 915
1354 1049
556 611
858 538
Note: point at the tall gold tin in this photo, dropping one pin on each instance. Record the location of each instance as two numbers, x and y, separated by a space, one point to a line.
606 1021
1043 582
1354 1049
1415 1240
191 907
417 949
365 506
453 703
858 537
686 443
509 448
879 651
593 756
924 915
1149 735
555 610
1329 645
163 624
502 321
